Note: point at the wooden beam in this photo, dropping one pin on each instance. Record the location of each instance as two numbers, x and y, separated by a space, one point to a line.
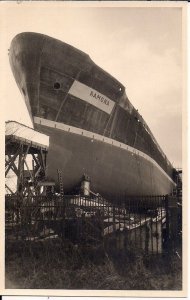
35 159
6 161
12 160
27 149
36 174
9 188
42 158
14 168
16 153
31 175
20 171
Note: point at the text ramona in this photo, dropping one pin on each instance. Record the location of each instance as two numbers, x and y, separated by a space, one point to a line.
98 97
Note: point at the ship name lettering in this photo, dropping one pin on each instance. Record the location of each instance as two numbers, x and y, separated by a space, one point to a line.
98 97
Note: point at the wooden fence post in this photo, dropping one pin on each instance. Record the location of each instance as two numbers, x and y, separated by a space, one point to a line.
173 225
167 232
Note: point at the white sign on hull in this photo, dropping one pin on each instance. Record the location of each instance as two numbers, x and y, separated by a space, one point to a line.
91 96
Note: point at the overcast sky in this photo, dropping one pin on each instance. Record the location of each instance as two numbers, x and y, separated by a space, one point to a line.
141 47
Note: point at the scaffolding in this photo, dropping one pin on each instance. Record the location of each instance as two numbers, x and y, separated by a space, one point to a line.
20 143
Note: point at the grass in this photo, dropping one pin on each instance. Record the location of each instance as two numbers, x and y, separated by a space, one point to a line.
62 265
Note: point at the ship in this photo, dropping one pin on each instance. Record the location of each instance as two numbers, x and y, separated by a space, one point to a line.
93 127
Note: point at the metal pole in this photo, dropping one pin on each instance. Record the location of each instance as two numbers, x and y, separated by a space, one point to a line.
167 221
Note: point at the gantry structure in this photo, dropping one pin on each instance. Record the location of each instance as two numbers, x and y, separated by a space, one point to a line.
25 157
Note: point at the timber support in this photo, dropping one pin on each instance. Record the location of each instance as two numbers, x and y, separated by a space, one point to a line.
25 158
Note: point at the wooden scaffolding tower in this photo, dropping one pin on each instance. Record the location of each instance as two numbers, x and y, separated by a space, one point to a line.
20 143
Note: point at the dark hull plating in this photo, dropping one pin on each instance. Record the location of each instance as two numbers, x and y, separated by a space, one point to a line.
113 171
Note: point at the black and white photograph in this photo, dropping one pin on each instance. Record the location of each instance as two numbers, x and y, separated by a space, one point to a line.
94 96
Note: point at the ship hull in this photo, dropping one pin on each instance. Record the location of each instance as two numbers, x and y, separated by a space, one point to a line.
114 170
93 127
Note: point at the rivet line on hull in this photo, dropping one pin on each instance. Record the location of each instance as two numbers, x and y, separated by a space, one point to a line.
98 137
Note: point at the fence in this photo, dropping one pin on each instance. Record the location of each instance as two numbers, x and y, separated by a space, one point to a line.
143 222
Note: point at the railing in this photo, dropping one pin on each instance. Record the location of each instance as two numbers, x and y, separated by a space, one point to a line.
142 222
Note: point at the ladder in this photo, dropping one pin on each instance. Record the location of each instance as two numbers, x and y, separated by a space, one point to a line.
61 212
60 182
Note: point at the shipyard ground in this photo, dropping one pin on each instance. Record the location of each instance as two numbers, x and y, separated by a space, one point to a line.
52 265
